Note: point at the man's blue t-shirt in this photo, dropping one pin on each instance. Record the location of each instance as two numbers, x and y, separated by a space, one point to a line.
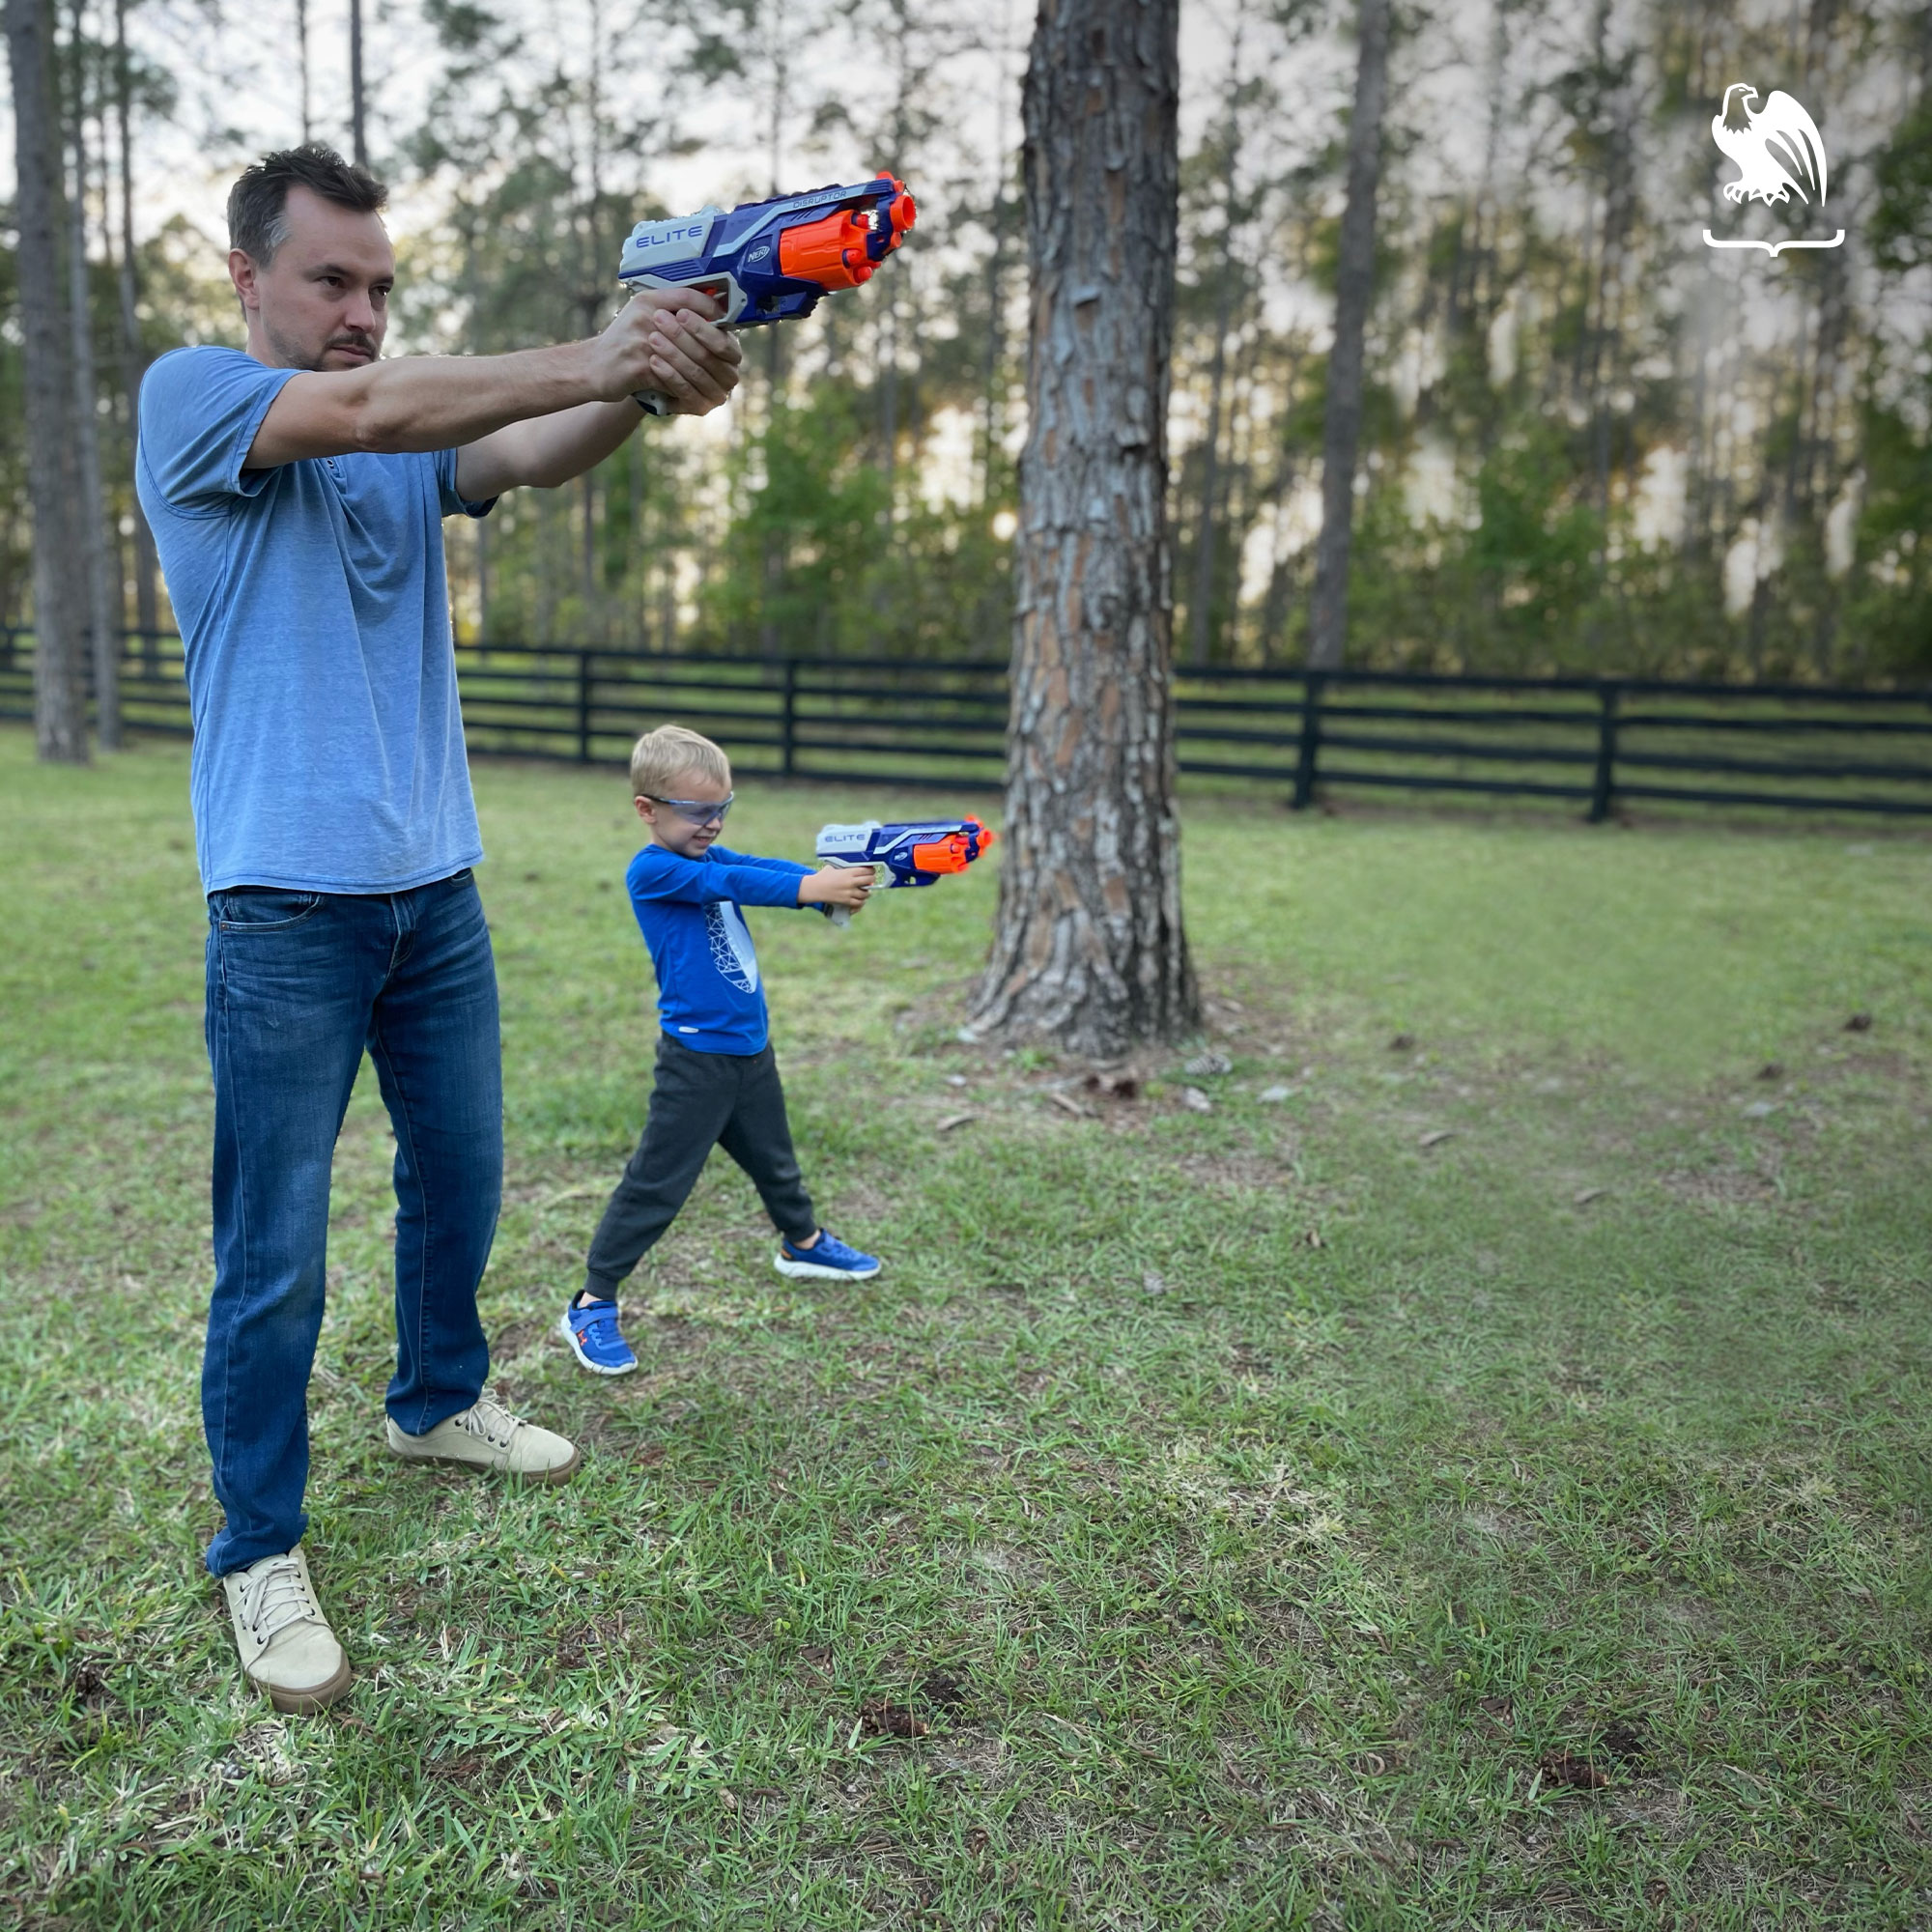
709 995
314 615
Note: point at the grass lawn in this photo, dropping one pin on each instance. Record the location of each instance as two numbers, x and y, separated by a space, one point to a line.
1473 1473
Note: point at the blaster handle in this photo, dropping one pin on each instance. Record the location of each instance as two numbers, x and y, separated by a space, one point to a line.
840 916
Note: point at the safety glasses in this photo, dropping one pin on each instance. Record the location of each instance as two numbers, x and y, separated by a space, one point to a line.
698 810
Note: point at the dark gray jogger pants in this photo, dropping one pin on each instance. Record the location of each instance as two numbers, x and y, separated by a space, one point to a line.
701 1100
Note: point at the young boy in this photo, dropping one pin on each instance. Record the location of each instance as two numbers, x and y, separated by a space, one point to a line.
716 1081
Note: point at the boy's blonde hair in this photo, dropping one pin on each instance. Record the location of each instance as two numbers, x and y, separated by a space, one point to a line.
660 757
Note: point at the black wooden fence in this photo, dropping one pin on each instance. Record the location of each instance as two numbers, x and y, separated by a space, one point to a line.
1595 743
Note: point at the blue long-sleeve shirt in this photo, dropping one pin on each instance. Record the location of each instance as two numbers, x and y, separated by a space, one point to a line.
709 994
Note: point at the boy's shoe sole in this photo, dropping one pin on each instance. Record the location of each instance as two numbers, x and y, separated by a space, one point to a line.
569 1334
812 1271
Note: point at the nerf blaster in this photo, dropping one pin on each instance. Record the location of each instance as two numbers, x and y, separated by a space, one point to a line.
915 855
770 260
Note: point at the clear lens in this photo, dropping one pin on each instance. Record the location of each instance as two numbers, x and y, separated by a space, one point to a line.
700 810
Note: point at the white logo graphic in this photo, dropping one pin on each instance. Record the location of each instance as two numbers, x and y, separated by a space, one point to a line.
1781 153
731 946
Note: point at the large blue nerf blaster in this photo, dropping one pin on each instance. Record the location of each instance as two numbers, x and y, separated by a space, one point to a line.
770 260
918 854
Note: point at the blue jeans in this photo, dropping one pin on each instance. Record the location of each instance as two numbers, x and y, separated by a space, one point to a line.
299 986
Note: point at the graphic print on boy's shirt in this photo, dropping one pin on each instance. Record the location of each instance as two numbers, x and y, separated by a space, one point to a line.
710 995
731 949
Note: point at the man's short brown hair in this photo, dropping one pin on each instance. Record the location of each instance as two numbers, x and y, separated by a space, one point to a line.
258 204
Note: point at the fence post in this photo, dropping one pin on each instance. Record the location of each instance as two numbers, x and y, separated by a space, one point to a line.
1310 751
584 707
1604 789
788 723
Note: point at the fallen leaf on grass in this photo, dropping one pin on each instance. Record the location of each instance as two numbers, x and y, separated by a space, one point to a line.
955 1079
881 1719
1066 1103
1192 1096
1577 1773
1313 1239
953 1120
1436 1136
1772 1069
1585 1195
1401 1043
1154 1284
1272 1096
1859 1023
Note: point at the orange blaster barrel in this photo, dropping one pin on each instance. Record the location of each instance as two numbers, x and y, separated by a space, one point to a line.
954 852
841 250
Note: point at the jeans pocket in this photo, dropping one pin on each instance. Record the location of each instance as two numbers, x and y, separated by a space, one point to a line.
260 908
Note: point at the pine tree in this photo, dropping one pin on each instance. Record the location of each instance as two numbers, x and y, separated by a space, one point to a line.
1089 951
60 584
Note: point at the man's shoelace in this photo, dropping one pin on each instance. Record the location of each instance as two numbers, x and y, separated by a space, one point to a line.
277 1598
491 1421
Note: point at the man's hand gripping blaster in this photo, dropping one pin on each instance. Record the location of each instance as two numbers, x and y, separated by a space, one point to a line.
915 855
770 260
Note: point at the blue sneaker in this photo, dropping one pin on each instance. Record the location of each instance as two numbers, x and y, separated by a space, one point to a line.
827 1259
595 1339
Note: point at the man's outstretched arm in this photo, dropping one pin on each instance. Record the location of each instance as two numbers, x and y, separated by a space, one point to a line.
693 362
540 415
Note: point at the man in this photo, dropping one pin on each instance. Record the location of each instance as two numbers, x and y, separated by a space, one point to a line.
296 494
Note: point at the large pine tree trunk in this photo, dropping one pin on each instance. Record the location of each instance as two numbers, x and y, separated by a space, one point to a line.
1090 952
60 588
1354 284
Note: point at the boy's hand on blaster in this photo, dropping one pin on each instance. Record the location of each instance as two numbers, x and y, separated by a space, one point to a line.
844 886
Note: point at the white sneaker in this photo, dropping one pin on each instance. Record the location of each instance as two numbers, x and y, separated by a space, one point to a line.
486 1435
286 1644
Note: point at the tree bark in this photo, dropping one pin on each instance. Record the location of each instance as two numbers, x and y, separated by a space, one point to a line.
104 620
301 66
358 146
60 592
1090 952
1354 281
133 352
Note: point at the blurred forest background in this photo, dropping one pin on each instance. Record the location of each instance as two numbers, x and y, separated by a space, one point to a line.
1590 442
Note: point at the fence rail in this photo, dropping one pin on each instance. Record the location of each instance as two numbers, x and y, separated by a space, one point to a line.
1596 743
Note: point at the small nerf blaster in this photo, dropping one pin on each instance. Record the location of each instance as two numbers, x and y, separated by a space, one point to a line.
915 855
770 260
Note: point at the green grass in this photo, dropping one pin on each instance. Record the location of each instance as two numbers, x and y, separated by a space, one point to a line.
1265 1513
